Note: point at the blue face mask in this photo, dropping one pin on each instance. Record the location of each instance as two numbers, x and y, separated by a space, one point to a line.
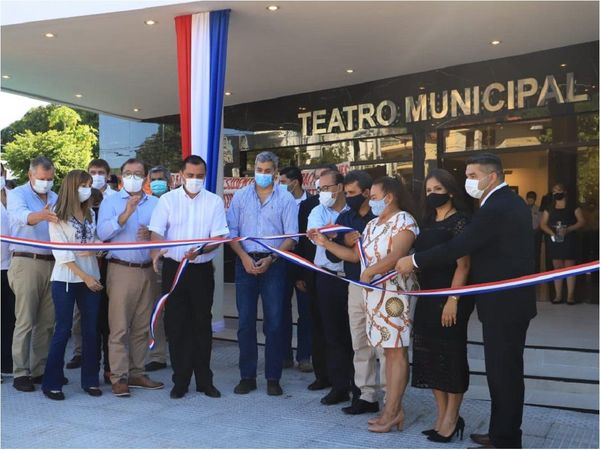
263 179
158 187
377 206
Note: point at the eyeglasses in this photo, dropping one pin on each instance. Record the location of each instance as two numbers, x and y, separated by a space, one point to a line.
133 174
325 188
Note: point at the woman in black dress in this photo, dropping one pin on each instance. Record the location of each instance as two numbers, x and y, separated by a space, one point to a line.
559 223
440 323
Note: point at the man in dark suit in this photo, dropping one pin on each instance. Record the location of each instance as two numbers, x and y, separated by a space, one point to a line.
499 240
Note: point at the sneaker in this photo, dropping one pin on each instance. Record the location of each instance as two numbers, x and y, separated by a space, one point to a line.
245 386
23 384
305 366
143 382
75 362
273 388
120 388
154 366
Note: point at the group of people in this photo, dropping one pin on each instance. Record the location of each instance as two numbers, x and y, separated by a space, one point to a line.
355 338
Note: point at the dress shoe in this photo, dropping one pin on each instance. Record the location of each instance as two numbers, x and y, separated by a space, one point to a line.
429 432
154 366
93 391
245 386
361 407
335 396
120 388
305 366
396 422
177 392
143 382
458 432
318 385
23 384
210 391
54 395
273 388
75 362
481 439
107 375
40 379
288 363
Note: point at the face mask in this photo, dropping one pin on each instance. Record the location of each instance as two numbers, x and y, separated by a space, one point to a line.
283 187
194 185
472 187
158 187
98 181
436 200
558 195
2 183
133 183
84 193
377 206
326 199
263 179
42 186
355 202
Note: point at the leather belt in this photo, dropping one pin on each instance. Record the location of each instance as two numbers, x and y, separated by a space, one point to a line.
339 274
258 255
128 264
34 256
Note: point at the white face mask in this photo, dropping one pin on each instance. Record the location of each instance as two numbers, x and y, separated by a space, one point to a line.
84 193
194 185
98 181
2 183
42 186
472 187
133 183
326 199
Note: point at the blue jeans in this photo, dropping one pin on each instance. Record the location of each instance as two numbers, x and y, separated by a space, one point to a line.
271 287
88 303
303 329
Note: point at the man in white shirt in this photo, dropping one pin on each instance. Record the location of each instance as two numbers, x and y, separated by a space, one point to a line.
189 212
30 209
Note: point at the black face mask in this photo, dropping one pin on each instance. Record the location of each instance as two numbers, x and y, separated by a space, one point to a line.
436 200
558 195
355 202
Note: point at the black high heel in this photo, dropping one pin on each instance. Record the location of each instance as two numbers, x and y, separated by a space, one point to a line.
429 432
459 430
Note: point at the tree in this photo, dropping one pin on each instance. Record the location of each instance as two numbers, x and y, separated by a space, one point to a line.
66 142
162 148
36 120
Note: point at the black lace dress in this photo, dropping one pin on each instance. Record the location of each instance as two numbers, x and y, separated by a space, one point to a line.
440 353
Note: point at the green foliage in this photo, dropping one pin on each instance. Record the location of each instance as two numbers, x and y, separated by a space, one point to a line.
66 142
162 148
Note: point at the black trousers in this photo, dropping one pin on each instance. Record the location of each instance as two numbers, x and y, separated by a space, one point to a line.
103 330
319 349
188 322
504 344
332 301
8 323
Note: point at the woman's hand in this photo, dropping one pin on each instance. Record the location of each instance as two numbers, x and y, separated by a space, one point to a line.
92 283
449 312
366 276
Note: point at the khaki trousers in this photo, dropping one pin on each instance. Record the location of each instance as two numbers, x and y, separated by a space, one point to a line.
159 352
132 292
365 356
29 279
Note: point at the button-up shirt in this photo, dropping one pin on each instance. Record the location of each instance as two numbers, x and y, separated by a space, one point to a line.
5 229
179 216
109 228
108 191
21 202
319 217
248 217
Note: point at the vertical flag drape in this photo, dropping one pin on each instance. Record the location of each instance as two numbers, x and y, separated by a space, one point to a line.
202 56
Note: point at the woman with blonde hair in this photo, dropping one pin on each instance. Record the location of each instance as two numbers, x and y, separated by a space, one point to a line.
75 278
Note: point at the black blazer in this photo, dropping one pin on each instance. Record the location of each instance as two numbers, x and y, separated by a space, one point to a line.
305 248
500 241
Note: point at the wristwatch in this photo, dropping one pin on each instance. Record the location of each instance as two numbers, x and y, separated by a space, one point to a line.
453 297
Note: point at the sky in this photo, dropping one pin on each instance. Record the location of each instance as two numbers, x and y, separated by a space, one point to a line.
14 107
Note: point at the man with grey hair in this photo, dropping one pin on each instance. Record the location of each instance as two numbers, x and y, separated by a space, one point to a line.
30 209
159 178
260 209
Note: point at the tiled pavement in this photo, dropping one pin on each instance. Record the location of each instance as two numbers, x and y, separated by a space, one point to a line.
150 419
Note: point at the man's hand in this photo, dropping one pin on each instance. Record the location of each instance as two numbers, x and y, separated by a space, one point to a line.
405 265
449 312
351 238
132 203
263 264
301 285
192 253
248 264
143 233
43 215
319 238
156 258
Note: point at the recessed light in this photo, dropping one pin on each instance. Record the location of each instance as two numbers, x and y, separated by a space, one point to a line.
227 93
563 65
78 95
136 109
272 7
301 108
421 88
150 22
349 70
6 77
496 42
50 35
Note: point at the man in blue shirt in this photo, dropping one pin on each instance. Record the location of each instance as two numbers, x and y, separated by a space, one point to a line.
261 210
30 209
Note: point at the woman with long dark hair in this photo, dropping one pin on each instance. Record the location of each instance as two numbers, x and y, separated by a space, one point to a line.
75 278
440 323
560 222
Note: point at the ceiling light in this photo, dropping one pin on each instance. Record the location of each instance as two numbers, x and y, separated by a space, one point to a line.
496 42
563 65
150 22
136 109
6 77
227 93
421 88
50 35
78 95
301 108
272 7
349 70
